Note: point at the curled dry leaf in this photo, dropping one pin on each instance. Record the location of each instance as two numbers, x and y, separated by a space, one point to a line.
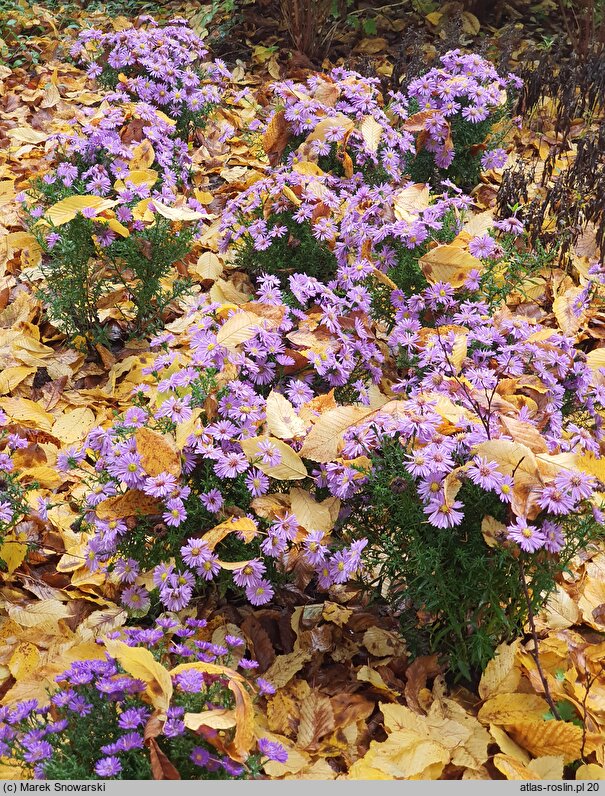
140 663
241 525
282 419
161 767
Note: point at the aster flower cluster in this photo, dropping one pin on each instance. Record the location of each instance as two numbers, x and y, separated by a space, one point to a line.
453 103
97 700
338 111
166 66
131 163
345 183
335 344
17 505
475 384
360 227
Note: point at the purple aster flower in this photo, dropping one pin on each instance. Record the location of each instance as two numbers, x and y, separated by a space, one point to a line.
37 750
553 535
444 515
195 552
175 513
555 500
230 465
272 750
160 485
190 681
132 718
269 453
126 570
136 598
482 247
493 159
260 592
199 756
528 537
484 473
108 767
212 500
265 688
511 224
209 568
580 485
257 482
6 512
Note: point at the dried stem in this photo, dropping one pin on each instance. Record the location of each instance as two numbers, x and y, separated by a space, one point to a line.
535 652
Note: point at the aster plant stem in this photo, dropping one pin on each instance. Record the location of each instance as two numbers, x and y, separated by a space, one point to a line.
535 652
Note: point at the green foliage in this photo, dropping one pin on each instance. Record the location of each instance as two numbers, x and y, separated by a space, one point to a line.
456 595
514 270
18 23
78 746
82 274
298 251
469 142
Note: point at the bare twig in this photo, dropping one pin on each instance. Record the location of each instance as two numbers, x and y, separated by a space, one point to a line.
535 653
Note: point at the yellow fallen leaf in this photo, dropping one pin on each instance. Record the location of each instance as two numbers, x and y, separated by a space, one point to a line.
547 767
311 515
324 441
553 737
323 127
238 328
27 135
284 667
408 755
13 551
513 769
13 376
74 425
243 526
282 419
449 263
240 747
27 413
371 132
129 504
24 660
518 461
138 176
46 476
362 770
208 266
410 201
590 771
368 675
177 213
67 209
507 745
219 719
142 155
291 467
37 614
508 709
158 452
503 673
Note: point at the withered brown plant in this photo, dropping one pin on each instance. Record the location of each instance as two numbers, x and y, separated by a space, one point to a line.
308 23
